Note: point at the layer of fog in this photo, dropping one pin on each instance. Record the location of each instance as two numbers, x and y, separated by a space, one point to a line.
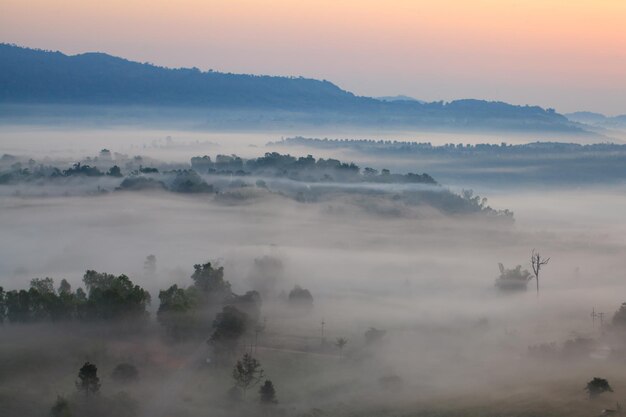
428 281
63 141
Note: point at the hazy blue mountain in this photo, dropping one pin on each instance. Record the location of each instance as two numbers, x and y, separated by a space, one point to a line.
597 119
399 97
31 76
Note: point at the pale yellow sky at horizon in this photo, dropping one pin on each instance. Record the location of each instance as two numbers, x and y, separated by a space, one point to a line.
570 55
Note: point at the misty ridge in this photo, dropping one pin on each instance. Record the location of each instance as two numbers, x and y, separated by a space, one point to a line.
546 164
233 180
97 85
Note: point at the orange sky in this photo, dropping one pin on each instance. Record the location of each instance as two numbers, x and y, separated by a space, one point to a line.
567 54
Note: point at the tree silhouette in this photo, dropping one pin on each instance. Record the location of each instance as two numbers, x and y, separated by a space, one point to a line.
61 408
597 386
537 262
2 305
268 393
340 343
229 326
373 335
88 381
247 373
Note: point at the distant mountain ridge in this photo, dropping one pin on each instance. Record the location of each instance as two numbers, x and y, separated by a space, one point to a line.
400 97
597 119
31 76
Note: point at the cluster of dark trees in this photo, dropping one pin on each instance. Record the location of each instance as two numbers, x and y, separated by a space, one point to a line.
206 308
187 180
19 173
189 312
90 402
457 149
247 373
312 180
274 164
108 297
553 163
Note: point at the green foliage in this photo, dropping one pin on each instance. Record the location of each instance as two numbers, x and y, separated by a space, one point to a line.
187 312
268 393
598 386
112 297
247 373
109 297
88 381
210 280
178 312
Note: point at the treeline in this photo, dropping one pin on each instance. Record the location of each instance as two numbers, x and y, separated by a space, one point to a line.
108 297
206 308
228 176
395 146
185 178
308 168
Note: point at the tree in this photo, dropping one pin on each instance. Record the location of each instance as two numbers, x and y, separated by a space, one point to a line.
249 303
61 408
537 262
176 312
247 373
513 279
210 280
597 386
301 298
88 381
229 326
2 305
64 287
18 306
619 318
114 171
373 335
112 297
268 393
341 343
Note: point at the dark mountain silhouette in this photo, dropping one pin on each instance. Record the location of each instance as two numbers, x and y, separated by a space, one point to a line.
32 76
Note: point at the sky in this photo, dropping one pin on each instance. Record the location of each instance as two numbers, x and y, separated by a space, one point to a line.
565 54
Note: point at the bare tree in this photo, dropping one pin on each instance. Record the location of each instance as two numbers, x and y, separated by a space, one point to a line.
537 262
